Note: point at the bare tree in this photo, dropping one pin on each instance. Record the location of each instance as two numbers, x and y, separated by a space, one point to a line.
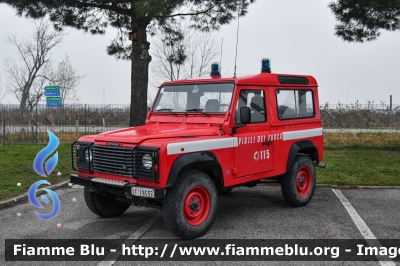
26 77
2 91
169 56
180 54
202 50
67 78
184 56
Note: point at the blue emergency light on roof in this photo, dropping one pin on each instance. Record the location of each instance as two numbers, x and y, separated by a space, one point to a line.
215 69
266 65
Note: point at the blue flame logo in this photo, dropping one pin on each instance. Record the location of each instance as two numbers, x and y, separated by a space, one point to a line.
44 153
32 198
38 167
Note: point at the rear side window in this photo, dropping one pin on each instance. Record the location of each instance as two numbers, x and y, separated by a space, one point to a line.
295 104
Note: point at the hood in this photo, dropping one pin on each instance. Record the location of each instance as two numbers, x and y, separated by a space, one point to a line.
136 135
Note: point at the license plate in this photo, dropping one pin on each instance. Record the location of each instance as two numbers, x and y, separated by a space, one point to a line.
143 192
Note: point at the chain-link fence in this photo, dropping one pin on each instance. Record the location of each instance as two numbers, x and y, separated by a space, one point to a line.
360 116
72 121
23 125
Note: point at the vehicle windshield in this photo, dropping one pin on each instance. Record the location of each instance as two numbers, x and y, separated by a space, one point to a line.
214 98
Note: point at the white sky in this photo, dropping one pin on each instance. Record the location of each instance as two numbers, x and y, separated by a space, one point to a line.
298 37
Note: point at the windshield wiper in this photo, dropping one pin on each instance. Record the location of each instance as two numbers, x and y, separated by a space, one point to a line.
194 110
164 109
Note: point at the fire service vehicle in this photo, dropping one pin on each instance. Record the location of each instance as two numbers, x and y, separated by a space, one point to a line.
202 138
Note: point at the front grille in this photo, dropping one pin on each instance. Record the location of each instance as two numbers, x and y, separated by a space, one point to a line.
112 160
125 161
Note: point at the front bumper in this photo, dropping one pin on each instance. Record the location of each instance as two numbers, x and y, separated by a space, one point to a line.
115 187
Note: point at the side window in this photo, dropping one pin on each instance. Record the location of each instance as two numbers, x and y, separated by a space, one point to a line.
295 104
255 99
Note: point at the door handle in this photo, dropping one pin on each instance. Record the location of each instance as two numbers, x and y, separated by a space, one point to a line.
267 143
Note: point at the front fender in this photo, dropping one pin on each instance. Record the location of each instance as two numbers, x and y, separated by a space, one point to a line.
188 160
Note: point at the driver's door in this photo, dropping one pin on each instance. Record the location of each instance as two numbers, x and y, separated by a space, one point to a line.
253 155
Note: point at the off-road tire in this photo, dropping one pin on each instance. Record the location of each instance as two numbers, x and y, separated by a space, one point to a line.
190 204
299 183
104 204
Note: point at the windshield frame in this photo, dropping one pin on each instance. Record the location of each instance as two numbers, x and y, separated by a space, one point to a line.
198 109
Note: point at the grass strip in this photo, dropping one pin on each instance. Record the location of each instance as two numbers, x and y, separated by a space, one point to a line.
360 166
348 164
16 168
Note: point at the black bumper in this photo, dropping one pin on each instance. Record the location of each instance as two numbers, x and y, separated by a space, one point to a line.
122 189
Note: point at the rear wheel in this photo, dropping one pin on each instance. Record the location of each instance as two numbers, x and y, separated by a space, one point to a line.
298 184
189 206
104 204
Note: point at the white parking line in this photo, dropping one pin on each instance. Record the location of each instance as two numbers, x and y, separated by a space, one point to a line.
363 228
113 257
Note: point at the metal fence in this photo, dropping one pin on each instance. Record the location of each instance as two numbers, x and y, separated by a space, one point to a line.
360 116
76 120
80 119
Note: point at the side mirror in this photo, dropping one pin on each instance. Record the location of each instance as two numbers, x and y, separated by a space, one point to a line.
245 115
245 118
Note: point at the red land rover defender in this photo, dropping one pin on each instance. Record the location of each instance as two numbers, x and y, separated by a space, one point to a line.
203 137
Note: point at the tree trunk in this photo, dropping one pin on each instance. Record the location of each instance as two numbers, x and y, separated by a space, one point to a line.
140 74
24 99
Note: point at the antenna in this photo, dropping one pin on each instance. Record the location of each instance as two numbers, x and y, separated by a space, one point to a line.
220 60
237 40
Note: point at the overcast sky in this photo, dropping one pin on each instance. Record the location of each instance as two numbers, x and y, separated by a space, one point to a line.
298 37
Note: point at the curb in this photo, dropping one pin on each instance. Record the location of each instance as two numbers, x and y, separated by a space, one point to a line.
24 197
348 187
266 182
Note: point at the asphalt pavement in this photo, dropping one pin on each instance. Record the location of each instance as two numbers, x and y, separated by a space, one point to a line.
245 213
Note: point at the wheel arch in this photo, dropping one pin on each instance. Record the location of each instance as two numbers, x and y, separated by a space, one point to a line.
305 147
205 162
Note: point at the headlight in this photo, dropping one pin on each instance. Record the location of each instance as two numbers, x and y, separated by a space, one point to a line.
88 155
147 161
83 156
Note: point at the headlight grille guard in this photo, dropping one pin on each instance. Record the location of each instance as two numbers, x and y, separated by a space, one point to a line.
138 169
87 165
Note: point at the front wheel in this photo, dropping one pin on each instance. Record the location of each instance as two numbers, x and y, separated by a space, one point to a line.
104 204
299 183
190 205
